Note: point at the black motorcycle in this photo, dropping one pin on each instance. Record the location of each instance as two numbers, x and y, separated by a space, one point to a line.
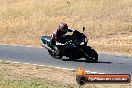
74 47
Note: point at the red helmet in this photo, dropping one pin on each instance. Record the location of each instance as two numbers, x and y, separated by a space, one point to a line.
63 26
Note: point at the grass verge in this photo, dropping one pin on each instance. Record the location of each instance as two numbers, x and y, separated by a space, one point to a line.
32 76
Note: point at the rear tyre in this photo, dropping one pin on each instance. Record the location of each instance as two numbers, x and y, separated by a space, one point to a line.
55 55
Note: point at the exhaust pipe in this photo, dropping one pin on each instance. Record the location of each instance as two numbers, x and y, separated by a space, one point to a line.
48 48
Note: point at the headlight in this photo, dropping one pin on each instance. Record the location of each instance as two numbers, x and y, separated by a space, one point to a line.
82 43
86 39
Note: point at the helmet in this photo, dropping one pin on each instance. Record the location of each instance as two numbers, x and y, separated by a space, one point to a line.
63 26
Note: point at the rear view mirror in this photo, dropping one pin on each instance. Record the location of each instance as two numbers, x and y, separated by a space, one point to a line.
83 29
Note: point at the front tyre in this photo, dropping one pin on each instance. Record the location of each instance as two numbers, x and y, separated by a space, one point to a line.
91 55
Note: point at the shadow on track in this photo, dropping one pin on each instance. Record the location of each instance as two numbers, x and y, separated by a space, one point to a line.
86 61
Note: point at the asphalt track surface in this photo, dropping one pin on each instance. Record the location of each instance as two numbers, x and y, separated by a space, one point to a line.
107 63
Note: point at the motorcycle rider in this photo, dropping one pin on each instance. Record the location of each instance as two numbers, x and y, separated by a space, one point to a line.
59 35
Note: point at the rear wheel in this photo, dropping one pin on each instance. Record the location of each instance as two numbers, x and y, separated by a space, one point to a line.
55 55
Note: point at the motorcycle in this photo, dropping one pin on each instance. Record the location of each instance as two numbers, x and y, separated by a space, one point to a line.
74 47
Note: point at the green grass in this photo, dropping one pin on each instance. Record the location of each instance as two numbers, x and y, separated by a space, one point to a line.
4 62
9 78
29 83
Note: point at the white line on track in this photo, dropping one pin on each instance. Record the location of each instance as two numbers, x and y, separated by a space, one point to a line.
71 69
26 63
93 72
16 62
35 64
88 71
43 65
57 67
53 67
8 61
64 68
101 73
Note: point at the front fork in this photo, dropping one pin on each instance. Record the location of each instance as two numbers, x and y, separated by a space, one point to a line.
85 55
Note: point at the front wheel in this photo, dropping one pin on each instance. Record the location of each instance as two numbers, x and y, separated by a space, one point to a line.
91 55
